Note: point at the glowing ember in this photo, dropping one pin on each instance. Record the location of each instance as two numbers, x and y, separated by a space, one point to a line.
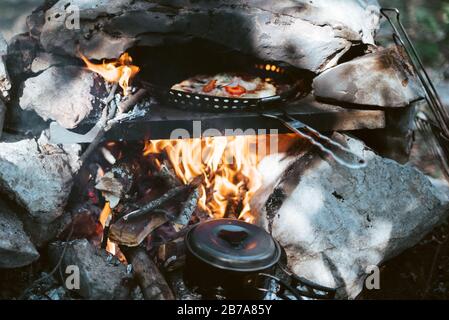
120 71
104 216
228 165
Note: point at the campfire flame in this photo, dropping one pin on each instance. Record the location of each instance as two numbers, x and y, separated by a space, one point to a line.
227 164
120 71
104 216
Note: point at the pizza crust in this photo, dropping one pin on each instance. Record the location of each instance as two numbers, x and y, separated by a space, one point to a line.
228 85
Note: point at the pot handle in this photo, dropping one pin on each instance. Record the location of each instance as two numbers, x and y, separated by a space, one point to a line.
283 286
308 288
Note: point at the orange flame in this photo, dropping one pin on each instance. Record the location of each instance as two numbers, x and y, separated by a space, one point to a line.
120 71
104 215
228 165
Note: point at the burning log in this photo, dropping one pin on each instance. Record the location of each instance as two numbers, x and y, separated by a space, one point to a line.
167 175
131 233
116 184
151 281
171 194
189 207
164 170
106 124
132 100
111 188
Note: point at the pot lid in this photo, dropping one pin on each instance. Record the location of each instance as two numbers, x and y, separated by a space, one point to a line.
233 245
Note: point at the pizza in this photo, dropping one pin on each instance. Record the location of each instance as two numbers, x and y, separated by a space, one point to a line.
228 85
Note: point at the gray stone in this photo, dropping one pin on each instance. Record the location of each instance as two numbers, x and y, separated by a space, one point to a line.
335 223
2 116
100 277
45 60
39 176
308 35
381 79
16 249
5 81
22 50
62 94
42 233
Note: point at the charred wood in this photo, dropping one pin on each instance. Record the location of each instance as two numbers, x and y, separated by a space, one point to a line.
132 232
106 124
164 170
177 284
189 207
132 100
171 255
150 279
171 194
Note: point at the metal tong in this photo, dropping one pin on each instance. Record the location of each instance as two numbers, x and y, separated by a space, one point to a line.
440 129
347 158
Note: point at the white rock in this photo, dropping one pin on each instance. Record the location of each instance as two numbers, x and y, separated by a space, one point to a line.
62 94
381 79
309 35
335 222
39 176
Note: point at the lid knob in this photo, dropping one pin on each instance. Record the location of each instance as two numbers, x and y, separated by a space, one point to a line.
234 235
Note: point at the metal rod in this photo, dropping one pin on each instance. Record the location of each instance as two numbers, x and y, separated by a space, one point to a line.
438 133
358 164
432 97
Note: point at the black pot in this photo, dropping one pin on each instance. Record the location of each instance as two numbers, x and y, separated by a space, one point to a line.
233 259
226 257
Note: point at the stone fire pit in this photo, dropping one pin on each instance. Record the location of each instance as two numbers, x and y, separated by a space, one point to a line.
59 189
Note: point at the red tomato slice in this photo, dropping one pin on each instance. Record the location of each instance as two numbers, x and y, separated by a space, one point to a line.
210 86
235 91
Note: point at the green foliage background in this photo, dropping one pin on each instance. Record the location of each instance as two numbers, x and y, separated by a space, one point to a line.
427 22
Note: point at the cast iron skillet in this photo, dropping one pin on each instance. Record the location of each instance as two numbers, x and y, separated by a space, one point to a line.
206 103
